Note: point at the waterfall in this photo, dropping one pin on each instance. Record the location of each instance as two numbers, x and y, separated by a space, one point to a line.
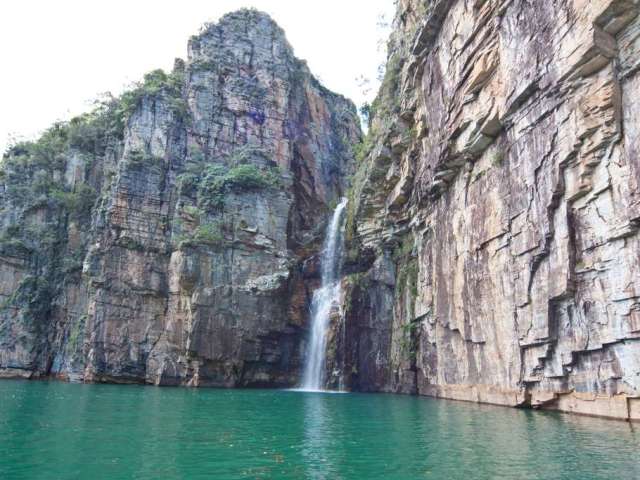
323 301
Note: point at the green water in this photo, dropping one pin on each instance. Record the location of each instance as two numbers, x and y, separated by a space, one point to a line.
55 430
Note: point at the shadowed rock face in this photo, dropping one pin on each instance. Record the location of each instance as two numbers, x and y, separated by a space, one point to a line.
186 266
494 224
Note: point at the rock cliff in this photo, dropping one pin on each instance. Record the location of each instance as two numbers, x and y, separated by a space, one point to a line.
168 236
495 216
492 235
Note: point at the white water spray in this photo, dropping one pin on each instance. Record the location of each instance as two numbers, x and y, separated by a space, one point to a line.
323 301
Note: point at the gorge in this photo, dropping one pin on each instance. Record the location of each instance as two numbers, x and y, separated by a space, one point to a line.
181 233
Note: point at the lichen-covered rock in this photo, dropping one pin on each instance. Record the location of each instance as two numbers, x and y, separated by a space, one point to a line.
199 196
499 196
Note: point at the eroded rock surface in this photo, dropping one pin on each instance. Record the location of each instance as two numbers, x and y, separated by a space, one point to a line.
494 225
206 190
493 248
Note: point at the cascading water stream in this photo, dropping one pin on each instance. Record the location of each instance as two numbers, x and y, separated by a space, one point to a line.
323 301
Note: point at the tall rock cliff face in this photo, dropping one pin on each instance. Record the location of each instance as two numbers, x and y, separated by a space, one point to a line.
494 247
168 236
492 236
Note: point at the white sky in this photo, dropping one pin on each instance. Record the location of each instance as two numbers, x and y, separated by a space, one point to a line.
58 55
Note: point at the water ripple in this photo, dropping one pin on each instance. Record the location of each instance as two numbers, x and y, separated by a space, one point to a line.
60 431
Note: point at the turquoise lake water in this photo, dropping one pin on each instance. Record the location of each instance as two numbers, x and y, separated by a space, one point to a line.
54 430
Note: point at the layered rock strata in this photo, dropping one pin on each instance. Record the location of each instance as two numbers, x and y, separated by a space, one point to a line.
168 237
492 245
495 217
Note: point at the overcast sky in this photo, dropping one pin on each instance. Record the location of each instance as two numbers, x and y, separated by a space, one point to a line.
58 55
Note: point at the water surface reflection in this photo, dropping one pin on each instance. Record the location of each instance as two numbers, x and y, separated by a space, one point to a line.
57 430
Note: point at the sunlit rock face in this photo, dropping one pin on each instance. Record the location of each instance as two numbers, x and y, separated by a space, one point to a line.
493 229
187 267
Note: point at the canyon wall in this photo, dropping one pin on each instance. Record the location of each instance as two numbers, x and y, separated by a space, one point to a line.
169 236
493 234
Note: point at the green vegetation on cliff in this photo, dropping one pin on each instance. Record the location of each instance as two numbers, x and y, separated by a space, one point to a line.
157 83
210 186
208 190
52 182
